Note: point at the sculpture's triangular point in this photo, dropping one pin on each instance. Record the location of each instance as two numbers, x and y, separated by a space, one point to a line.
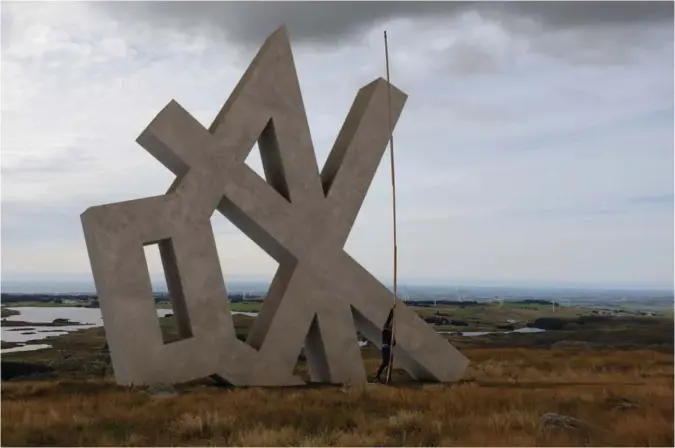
279 33
279 38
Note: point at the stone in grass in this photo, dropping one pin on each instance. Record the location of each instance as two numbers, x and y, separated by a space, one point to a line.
552 422
162 390
620 403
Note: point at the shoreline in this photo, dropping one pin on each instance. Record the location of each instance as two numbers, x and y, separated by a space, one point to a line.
486 324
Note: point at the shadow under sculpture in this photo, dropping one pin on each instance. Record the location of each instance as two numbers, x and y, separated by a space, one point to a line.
299 216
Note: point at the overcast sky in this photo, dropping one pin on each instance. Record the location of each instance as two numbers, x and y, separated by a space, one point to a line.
536 144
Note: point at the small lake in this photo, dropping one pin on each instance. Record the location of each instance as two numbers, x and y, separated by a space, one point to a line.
483 333
91 317
87 317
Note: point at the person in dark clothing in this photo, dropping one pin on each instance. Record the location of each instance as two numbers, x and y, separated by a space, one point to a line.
387 343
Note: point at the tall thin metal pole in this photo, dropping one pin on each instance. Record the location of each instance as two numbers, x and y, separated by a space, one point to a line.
393 196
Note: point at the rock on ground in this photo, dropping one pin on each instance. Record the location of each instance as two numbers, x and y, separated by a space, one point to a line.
553 421
162 390
620 403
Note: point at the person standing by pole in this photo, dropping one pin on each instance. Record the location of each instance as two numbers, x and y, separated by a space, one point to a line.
388 343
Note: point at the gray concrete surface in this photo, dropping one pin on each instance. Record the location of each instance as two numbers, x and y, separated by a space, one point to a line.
298 215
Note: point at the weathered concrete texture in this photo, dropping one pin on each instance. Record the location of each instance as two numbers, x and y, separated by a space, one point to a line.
301 217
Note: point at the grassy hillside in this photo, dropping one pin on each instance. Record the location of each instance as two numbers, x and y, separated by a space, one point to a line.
614 375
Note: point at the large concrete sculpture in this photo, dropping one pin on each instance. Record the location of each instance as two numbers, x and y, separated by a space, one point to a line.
299 216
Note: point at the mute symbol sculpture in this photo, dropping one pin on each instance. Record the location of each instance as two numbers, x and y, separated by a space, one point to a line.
301 217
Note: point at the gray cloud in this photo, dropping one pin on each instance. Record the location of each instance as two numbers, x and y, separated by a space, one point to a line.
333 22
572 14
598 33
467 58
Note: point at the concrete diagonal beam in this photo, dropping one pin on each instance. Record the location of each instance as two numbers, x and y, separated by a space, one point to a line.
302 217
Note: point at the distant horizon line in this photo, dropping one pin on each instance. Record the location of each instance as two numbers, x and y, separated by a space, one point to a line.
159 285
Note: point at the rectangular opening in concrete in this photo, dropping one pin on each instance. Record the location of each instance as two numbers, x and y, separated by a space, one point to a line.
265 159
168 291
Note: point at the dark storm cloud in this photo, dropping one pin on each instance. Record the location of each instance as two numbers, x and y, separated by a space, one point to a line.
581 13
332 22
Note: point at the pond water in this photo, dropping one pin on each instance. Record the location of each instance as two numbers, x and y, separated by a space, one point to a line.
91 317
483 333
25 348
85 317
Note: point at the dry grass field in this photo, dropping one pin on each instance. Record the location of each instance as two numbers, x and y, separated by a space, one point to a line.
625 398
613 374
